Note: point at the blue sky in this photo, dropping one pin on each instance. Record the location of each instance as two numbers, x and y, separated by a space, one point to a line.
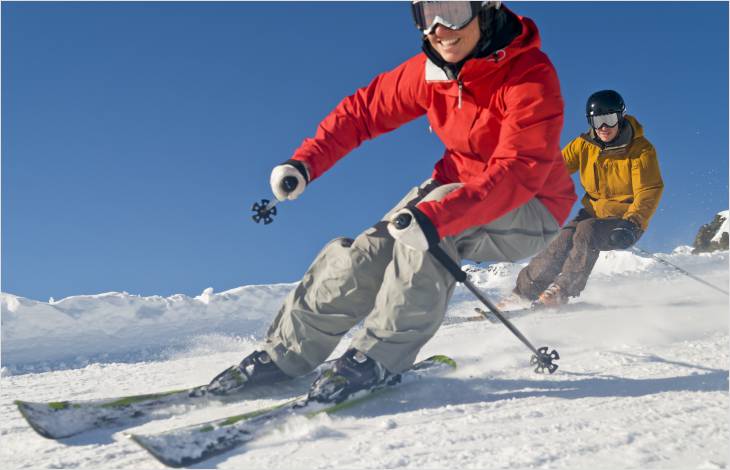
136 136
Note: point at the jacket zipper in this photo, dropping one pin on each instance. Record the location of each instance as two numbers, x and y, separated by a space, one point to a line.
495 56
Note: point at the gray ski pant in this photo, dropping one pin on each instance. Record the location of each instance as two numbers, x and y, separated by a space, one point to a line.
400 293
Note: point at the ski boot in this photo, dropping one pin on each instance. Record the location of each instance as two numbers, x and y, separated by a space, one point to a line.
351 373
255 369
552 297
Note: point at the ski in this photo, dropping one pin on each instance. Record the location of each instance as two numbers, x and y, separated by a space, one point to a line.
489 316
508 314
483 314
189 445
62 419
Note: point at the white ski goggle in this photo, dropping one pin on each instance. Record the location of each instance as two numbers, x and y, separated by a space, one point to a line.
453 15
608 120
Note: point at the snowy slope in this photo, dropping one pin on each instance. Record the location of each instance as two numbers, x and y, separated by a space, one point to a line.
643 379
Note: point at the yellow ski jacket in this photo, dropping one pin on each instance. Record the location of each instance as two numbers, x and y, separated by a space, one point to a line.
620 180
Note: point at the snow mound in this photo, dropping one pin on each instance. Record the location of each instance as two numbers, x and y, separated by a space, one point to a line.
117 326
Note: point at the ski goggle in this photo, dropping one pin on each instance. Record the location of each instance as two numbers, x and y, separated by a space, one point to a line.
608 120
453 15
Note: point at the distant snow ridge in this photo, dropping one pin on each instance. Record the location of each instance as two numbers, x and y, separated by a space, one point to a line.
120 327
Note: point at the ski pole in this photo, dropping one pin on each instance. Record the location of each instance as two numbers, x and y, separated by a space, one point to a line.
636 249
541 359
266 210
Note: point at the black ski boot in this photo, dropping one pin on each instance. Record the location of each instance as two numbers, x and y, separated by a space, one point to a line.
255 369
351 373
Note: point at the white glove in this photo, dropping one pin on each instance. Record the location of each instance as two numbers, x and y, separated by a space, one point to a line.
412 228
282 183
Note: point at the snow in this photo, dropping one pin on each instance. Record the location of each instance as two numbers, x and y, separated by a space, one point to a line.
643 378
118 326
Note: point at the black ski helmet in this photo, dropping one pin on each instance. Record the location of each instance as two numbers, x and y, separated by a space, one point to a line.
605 102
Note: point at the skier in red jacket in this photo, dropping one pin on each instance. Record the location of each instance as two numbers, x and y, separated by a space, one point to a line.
499 193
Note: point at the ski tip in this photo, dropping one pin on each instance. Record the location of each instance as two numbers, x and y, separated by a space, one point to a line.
30 404
26 411
442 359
22 405
147 445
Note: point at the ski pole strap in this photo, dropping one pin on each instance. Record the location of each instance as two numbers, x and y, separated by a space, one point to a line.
448 263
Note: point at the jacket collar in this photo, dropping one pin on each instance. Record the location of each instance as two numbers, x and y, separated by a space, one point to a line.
516 35
630 130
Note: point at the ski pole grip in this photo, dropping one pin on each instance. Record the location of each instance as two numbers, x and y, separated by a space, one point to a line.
402 221
448 263
289 184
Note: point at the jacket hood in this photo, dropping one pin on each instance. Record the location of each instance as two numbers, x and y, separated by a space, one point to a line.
638 128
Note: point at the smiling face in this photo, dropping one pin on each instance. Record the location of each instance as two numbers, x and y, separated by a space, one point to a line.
607 134
452 45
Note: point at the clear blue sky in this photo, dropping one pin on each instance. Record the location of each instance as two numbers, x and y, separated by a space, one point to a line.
136 136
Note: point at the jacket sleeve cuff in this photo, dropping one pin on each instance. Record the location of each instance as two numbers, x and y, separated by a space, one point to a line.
301 166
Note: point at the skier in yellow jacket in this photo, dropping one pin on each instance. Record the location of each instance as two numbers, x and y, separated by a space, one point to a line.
620 174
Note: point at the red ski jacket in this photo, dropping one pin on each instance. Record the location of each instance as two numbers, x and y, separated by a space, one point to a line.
500 121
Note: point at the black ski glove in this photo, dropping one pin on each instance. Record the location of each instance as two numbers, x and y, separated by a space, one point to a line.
624 235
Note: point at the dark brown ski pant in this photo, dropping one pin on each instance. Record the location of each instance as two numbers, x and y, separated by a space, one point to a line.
569 258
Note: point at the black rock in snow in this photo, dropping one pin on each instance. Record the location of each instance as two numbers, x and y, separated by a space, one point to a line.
704 242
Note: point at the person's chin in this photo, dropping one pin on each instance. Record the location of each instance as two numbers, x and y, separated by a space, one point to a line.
452 58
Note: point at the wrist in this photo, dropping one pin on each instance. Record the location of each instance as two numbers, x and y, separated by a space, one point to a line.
632 223
302 167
